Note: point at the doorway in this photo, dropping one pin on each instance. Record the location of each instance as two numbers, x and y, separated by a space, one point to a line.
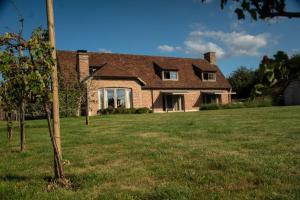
172 103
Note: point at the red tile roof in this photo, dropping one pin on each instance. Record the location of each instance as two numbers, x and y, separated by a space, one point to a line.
145 67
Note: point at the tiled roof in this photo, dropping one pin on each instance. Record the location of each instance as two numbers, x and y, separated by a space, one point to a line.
145 68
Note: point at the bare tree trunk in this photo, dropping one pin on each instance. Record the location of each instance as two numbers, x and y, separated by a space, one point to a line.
22 125
58 167
9 126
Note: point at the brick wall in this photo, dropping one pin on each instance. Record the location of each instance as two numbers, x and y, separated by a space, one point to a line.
152 99
83 65
192 100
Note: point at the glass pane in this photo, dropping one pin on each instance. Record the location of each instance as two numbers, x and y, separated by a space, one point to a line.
110 98
120 97
205 76
211 76
129 98
166 75
173 75
101 99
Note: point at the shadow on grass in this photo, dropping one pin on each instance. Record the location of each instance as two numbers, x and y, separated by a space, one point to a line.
11 177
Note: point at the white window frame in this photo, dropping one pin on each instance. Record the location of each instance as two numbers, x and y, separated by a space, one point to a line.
208 74
128 97
170 79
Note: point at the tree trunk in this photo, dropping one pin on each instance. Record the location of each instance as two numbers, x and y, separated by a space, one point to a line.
87 113
22 125
9 126
58 167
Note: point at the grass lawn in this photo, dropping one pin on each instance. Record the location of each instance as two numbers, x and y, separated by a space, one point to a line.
223 154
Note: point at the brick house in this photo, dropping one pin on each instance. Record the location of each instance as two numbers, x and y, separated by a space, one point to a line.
162 84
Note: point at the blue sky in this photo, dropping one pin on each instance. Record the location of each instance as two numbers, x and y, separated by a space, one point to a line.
182 28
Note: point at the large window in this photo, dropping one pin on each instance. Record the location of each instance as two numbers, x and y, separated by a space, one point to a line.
115 98
209 76
170 75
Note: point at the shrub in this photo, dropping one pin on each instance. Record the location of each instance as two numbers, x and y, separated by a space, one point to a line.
264 102
233 106
210 107
123 110
142 110
131 110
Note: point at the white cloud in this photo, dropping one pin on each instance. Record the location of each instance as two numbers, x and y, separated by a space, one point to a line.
168 48
225 44
200 47
238 43
102 50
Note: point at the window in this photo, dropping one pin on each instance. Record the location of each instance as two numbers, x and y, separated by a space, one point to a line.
110 98
120 98
209 76
115 98
210 98
170 75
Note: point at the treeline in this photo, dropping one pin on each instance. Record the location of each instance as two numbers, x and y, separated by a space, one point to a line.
269 79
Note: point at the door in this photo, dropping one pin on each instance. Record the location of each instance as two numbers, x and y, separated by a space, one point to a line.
172 103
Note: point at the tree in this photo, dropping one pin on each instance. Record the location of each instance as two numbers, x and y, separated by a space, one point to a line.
275 73
7 105
14 69
261 9
242 81
294 67
30 74
41 58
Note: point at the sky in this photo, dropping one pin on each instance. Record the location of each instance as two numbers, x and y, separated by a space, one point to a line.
176 28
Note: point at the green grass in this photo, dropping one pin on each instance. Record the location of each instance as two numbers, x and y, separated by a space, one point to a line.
251 153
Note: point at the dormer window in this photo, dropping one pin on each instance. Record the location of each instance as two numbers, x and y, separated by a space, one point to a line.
170 75
209 76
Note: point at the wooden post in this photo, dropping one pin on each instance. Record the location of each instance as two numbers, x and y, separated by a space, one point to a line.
56 124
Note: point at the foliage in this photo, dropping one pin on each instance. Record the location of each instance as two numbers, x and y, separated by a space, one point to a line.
275 73
211 106
294 67
123 110
70 99
224 154
143 110
242 81
262 102
261 9
26 67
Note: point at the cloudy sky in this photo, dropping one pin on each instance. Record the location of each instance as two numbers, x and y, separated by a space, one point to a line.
182 28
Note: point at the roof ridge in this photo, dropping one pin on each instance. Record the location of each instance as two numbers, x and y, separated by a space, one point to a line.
139 55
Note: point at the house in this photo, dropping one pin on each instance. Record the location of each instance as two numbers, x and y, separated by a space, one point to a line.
292 93
159 83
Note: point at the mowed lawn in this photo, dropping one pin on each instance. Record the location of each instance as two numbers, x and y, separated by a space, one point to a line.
224 154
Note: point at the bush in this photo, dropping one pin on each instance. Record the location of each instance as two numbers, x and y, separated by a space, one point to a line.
143 110
210 107
123 110
264 102
233 106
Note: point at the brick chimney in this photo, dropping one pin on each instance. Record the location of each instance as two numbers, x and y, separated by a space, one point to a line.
210 57
82 64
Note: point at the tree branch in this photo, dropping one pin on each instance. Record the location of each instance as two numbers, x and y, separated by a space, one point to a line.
285 14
